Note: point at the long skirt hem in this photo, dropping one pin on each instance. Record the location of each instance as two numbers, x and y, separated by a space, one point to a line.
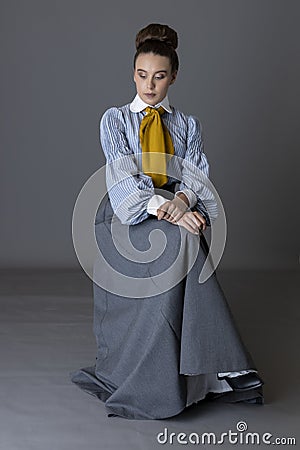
146 346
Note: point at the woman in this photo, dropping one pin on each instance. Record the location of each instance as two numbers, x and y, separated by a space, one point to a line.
161 345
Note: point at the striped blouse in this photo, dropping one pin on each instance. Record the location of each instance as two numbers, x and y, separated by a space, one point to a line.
130 190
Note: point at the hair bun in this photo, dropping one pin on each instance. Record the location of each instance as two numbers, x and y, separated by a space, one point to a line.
157 32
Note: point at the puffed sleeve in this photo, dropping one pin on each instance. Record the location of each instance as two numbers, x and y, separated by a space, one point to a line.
195 164
129 189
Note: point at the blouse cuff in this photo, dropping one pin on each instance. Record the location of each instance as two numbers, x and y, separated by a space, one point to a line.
191 196
154 203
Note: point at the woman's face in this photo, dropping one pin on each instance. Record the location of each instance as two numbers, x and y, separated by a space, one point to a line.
153 76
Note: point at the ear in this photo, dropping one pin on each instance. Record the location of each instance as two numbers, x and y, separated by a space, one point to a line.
174 75
134 76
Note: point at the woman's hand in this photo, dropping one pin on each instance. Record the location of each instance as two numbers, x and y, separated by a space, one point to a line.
173 210
193 221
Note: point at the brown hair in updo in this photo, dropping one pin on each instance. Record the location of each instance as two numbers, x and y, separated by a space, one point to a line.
160 40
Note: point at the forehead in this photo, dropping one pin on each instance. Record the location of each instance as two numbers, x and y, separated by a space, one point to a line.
150 62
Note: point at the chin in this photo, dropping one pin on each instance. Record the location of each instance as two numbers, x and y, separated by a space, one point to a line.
152 102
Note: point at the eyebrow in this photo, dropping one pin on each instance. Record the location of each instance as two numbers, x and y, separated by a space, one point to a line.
158 71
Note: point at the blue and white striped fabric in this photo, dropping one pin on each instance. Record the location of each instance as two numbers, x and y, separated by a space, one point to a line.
129 189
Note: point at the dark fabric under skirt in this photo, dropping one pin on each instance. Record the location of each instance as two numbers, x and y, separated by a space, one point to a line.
149 350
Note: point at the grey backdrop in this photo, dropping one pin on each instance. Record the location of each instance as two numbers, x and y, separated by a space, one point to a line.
64 62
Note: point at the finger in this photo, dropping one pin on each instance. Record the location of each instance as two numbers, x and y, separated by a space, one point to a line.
193 225
198 224
160 214
199 216
178 216
201 219
164 209
190 224
175 219
173 213
173 216
192 220
190 228
168 217
171 221
196 219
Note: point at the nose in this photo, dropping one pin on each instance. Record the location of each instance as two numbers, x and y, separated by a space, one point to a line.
150 83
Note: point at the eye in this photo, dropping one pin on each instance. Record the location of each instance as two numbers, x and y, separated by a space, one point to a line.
141 75
159 77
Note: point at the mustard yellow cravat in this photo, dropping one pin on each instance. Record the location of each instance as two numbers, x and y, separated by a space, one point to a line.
157 145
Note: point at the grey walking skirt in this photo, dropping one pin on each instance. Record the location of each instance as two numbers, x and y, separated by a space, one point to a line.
158 354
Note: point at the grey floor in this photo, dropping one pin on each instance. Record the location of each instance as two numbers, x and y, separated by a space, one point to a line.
46 332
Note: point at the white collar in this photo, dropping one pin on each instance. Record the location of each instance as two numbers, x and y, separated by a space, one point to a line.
137 104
